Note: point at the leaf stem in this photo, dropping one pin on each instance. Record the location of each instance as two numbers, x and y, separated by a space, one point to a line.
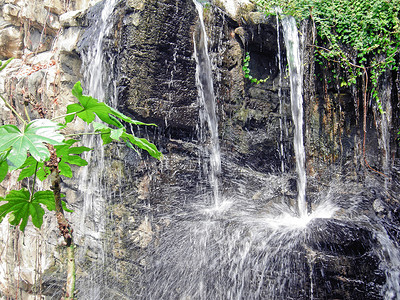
82 133
26 112
66 115
34 182
13 110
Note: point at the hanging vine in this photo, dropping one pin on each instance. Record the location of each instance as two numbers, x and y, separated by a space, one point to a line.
361 37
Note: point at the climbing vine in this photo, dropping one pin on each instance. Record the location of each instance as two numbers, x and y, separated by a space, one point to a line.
40 149
362 36
246 69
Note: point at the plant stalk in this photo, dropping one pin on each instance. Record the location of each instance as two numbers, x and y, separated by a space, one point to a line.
64 226
13 110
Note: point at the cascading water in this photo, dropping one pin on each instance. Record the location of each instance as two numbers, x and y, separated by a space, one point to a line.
282 123
205 87
296 77
235 251
97 82
262 249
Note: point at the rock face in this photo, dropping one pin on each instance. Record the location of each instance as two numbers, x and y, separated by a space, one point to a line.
148 208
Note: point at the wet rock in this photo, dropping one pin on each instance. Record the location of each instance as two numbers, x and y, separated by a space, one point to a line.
157 68
344 263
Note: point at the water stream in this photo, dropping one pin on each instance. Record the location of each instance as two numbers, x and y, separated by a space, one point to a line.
234 249
249 249
97 82
208 115
296 78
282 123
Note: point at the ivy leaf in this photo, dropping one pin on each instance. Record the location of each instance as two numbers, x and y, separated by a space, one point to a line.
22 206
31 138
69 155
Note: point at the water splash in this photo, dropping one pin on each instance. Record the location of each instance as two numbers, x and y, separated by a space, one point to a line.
296 78
205 88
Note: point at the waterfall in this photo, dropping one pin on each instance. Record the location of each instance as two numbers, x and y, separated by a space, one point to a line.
296 77
206 96
97 83
282 123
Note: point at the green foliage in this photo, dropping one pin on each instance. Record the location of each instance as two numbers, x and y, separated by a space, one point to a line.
109 135
3 166
4 64
22 204
360 35
27 149
70 156
88 108
246 64
32 167
31 138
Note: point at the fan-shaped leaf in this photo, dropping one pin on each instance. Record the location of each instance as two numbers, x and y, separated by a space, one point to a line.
32 138
21 206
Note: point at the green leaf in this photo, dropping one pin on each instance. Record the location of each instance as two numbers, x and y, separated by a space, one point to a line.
105 132
47 198
143 144
116 134
89 107
69 155
64 206
4 64
3 165
108 135
72 108
30 166
65 169
21 206
128 119
32 138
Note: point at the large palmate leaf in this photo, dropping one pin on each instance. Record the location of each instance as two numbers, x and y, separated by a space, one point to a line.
108 135
88 107
22 206
69 155
32 138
